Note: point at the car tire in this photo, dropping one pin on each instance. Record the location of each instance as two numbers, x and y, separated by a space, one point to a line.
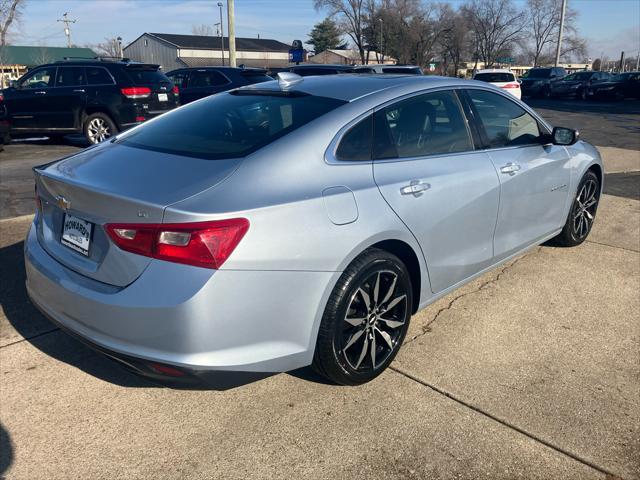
364 325
98 127
581 218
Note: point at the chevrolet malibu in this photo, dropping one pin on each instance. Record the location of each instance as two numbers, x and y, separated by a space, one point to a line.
296 222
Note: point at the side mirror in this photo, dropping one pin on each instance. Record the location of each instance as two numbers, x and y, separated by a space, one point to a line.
564 136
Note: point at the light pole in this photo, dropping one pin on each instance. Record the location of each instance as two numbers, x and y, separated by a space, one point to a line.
221 33
119 39
564 7
380 46
232 32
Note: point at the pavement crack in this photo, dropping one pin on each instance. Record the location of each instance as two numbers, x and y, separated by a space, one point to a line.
503 422
613 246
427 326
37 335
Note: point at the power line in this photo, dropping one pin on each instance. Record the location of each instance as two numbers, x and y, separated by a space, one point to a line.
67 29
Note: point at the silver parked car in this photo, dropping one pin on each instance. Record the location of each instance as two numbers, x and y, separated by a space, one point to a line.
299 221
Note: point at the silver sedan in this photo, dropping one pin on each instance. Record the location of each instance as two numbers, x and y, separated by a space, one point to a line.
297 222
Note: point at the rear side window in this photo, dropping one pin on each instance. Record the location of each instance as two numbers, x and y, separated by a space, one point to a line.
495 77
256 77
428 124
144 75
70 76
356 143
505 123
229 125
207 78
98 76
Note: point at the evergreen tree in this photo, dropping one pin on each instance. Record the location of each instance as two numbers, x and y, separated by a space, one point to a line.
325 35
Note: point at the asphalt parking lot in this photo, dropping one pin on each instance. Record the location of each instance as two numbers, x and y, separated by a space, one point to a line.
531 371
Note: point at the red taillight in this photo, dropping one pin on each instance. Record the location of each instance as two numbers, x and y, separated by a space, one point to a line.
1 98
511 85
136 92
140 119
175 90
203 244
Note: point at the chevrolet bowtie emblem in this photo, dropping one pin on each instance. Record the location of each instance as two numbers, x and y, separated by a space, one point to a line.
63 203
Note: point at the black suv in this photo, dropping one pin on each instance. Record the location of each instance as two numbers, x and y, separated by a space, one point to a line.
538 82
95 97
195 83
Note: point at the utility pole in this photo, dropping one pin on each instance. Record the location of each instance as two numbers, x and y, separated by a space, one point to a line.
67 30
560 32
221 33
621 67
232 33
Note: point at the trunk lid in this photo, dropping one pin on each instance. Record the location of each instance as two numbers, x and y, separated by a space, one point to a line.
114 183
162 97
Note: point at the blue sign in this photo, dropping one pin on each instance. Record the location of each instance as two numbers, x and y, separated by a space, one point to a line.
296 55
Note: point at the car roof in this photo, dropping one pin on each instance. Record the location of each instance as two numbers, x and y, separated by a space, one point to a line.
221 68
350 87
324 65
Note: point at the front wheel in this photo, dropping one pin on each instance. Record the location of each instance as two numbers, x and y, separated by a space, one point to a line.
98 127
582 214
365 320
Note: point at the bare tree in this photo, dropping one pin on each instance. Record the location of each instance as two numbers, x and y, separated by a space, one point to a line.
203 30
109 48
455 40
10 12
351 19
542 31
497 25
41 55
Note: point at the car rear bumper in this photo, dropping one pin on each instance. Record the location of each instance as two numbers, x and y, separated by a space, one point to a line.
193 319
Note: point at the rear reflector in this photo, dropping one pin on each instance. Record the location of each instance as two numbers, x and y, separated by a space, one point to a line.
203 244
511 85
136 92
166 370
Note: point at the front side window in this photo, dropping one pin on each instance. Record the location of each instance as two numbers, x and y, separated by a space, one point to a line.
70 77
356 143
230 125
428 124
41 78
505 123
207 78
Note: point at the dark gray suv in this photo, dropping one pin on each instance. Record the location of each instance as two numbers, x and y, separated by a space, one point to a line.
537 82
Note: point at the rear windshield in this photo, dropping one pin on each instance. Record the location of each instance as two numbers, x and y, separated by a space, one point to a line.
257 77
146 75
579 76
407 71
229 125
495 77
539 73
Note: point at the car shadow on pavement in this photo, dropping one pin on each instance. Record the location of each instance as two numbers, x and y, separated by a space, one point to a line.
6 451
34 328
625 185
45 336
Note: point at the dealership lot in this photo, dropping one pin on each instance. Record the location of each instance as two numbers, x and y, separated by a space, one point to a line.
530 371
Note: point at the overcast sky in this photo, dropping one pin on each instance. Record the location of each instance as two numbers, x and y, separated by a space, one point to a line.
609 25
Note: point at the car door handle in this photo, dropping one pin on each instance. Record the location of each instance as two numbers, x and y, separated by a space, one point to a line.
415 188
79 90
510 168
40 92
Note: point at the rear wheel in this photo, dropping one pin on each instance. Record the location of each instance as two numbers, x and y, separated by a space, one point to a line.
366 319
582 214
98 127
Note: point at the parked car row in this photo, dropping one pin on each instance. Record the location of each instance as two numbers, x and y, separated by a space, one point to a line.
99 98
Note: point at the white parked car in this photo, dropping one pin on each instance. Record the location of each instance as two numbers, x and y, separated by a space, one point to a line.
500 78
